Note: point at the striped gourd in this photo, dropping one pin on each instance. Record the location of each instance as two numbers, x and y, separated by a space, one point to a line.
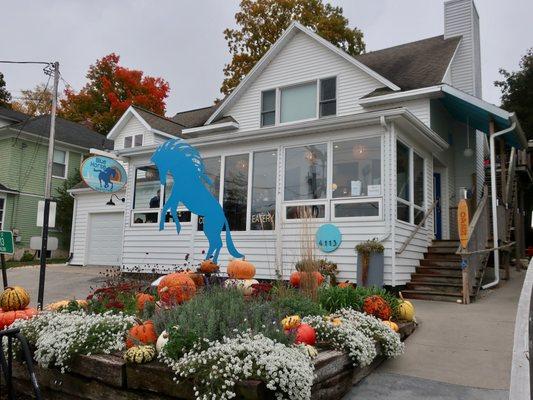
140 354
14 298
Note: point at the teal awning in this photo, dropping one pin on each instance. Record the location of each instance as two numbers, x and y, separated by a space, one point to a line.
479 113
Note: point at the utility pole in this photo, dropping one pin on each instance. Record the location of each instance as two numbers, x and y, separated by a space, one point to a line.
48 187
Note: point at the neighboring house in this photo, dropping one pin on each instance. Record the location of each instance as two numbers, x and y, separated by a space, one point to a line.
368 143
23 157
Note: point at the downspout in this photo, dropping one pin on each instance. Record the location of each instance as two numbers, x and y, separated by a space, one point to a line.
392 231
72 228
494 200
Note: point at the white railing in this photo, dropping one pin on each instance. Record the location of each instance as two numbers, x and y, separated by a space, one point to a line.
417 228
523 340
475 253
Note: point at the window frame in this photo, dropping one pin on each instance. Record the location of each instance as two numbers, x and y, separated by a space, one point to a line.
133 140
358 200
411 202
146 210
328 100
262 112
279 91
66 164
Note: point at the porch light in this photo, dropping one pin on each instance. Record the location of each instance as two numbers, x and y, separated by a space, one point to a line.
112 203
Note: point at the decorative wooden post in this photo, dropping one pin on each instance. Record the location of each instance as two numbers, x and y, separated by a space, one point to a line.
463 222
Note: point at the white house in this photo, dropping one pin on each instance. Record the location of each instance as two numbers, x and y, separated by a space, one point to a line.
368 143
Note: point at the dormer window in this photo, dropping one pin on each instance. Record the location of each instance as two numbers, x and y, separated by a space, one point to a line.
133 141
268 107
299 102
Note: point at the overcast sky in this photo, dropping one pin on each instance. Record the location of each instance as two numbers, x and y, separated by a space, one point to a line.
182 40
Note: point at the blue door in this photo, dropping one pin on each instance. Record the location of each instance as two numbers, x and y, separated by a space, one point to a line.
438 211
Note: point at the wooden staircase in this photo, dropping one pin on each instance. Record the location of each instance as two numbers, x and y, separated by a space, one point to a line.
439 275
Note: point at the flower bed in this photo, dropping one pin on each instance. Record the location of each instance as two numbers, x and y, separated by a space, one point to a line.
109 376
198 335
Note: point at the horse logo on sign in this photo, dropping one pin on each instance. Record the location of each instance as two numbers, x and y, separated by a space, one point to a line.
103 174
190 188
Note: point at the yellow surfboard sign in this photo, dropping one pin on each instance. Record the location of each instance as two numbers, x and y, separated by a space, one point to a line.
463 222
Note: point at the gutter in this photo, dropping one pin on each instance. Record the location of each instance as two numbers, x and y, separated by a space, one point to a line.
494 200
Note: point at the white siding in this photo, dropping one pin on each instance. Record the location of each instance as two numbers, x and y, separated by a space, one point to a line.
480 162
461 19
303 59
146 248
84 204
134 127
406 262
419 107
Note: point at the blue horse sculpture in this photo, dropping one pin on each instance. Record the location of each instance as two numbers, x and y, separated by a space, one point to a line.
190 187
106 176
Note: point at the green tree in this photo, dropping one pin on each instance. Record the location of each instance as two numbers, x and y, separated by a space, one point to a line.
517 92
65 205
5 96
36 101
261 23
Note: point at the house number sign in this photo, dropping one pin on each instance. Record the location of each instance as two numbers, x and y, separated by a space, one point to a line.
328 238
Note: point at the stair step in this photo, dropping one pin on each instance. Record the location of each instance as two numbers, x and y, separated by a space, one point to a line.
431 295
440 263
432 278
439 271
442 257
455 288
442 250
450 244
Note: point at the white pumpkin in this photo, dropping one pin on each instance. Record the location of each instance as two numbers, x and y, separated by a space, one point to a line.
244 285
161 341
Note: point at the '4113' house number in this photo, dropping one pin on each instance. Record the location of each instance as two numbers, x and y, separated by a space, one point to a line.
328 238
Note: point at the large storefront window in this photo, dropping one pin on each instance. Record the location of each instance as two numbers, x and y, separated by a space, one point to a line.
306 172
147 195
212 170
236 191
410 174
263 208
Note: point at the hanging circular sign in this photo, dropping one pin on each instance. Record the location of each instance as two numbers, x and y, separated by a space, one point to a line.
103 174
328 238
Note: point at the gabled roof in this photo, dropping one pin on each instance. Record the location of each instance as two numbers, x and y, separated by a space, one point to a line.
193 118
289 33
66 131
413 65
155 123
12 115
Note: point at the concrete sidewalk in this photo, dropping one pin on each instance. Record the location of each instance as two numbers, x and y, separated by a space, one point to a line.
62 281
462 346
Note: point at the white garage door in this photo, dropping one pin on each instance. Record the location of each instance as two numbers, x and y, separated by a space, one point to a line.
105 238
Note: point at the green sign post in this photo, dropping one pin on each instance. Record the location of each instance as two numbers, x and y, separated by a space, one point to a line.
6 247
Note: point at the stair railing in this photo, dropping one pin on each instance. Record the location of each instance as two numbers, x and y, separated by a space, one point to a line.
417 228
475 254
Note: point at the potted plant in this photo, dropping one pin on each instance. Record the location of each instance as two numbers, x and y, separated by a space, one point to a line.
370 263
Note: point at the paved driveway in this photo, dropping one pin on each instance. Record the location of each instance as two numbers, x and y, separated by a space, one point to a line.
62 282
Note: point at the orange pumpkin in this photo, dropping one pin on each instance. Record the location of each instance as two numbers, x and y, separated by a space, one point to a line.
141 333
305 334
142 299
377 306
345 284
8 317
296 278
176 288
208 267
241 269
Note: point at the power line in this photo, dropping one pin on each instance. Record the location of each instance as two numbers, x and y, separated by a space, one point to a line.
25 62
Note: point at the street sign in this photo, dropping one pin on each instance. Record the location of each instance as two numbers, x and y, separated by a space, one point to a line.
103 174
463 222
6 242
328 238
51 214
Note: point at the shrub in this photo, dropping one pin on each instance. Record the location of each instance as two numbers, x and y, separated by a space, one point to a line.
288 301
216 313
27 256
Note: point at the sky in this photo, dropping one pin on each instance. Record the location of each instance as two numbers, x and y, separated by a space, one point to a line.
182 41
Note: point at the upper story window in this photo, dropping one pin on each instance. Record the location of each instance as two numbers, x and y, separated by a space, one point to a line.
328 97
133 141
299 102
59 166
268 107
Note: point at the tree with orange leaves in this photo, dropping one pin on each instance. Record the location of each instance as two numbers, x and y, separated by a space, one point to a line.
110 90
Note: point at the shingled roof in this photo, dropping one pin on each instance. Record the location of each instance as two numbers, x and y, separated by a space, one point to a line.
159 122
193 118
12 115
413 65
66 132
